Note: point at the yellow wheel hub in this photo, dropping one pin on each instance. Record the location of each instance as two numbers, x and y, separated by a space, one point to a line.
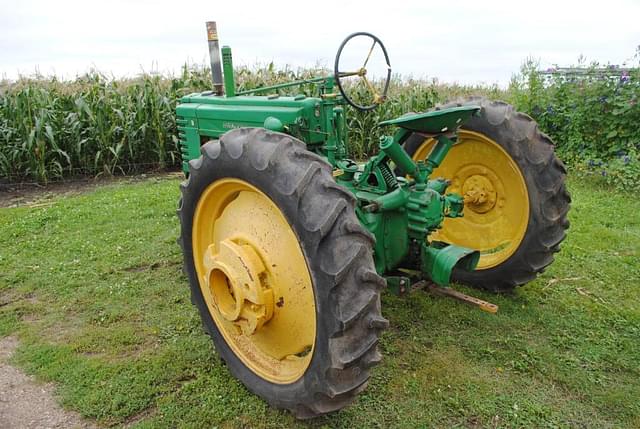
255 280
495 194
479 194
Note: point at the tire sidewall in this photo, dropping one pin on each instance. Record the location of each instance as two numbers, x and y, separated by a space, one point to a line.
225 166
501 135
544 176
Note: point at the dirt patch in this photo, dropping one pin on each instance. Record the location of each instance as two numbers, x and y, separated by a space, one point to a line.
27 404
37 195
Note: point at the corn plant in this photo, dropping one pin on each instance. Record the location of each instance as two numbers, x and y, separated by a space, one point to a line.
52 129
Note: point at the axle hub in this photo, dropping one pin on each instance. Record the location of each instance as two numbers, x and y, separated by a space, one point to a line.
237 280
479 193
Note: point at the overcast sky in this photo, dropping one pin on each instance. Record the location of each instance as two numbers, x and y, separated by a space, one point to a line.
479 41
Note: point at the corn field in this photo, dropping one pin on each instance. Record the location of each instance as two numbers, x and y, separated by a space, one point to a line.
52 129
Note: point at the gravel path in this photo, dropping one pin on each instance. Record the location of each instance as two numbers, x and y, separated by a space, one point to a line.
27 404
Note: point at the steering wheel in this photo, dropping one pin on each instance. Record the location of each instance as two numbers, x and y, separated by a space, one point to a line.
362 73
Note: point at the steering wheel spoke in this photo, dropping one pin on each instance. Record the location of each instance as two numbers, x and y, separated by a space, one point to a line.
373 45
370 86
348 74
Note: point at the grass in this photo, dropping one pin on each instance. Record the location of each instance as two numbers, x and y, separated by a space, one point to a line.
93 288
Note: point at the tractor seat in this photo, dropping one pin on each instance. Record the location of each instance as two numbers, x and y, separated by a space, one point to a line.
434 121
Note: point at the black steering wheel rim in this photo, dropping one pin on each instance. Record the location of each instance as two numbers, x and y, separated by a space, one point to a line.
336 72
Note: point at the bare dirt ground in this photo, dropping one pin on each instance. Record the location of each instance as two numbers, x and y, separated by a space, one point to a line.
36 195
25 403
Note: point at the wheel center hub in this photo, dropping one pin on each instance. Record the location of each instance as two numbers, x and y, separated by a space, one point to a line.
237 280
479 193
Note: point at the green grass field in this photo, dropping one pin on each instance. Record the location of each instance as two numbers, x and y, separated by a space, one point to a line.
93 288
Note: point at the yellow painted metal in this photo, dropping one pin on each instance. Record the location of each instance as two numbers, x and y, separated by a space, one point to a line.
255 280
496 213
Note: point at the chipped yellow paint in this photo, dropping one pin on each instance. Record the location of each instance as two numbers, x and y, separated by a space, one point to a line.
495 194
255 280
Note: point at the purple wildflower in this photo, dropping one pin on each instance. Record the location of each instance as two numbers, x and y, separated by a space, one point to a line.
625 76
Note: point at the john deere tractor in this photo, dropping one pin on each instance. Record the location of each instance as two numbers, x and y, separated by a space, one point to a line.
288 242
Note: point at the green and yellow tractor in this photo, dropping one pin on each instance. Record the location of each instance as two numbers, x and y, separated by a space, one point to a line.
288 242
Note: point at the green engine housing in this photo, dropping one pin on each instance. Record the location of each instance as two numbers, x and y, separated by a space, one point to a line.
202 117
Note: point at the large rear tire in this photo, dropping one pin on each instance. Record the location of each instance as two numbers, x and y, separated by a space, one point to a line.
304 333
516 202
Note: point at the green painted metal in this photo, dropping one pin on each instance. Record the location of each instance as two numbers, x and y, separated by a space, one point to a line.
274 88
273 124
391 247
439 259
400 211
398 285
391 147
438 153
227 70
436 121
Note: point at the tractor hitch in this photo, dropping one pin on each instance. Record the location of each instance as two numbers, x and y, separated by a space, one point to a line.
452 293
402 285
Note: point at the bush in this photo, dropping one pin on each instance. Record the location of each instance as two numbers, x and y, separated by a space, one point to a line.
592 116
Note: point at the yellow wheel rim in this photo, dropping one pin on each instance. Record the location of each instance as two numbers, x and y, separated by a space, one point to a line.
255 280
496 211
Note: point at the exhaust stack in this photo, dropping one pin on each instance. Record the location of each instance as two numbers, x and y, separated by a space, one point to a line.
214 55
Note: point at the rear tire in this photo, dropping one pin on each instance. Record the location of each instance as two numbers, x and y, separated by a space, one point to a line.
544 175
337 251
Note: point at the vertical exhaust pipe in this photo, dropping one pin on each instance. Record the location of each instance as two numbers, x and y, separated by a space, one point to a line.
214 55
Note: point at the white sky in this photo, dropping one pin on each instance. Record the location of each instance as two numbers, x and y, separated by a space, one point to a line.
464 41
